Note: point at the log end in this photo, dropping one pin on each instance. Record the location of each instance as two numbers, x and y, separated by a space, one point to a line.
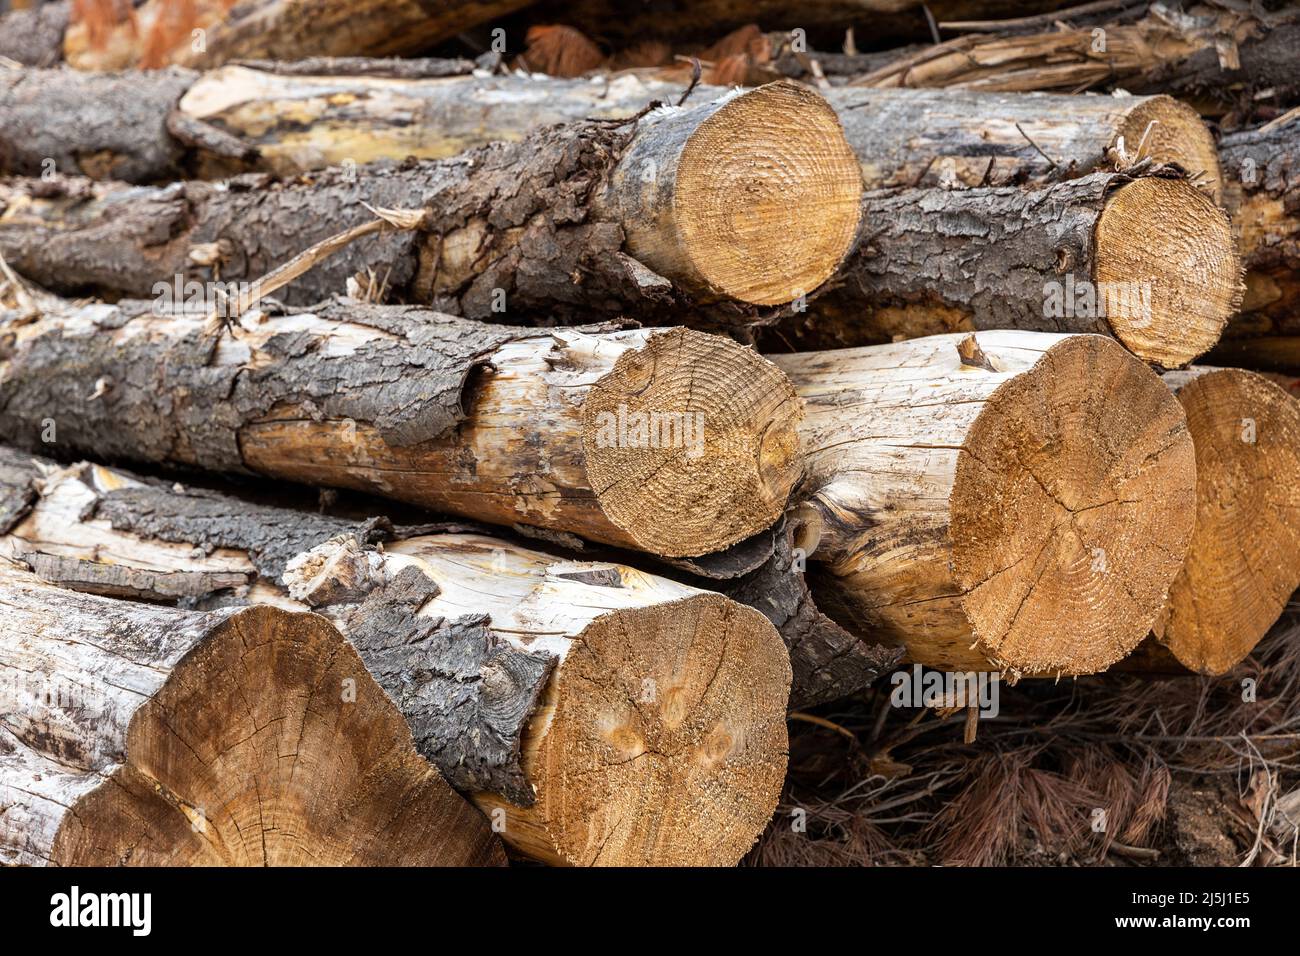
1168 269
1071 511
1244 560
680 711
270 745
1169 131
691 443
767 197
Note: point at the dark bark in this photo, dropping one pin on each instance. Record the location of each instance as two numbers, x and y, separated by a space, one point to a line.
465 693
535 245
165 402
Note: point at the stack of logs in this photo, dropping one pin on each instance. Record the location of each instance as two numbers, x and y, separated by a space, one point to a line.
724 402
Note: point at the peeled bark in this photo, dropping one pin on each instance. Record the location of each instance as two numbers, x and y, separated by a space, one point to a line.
1243 563
139 735
362 112
669 441
160 32
534 684
1223 59
749 200
1015 501
1150 261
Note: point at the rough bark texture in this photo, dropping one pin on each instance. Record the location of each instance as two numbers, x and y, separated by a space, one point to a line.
553 226
930 261
1262 194
465 694
487 649
360 112
379 398
829 662
34 37
138 735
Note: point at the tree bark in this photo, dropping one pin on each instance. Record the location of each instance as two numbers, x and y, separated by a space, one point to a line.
669 441
159 33
140 735
1262 194
536 685
360 113
1219 61
34 37
1243 563
678 209
1016 501
1150 261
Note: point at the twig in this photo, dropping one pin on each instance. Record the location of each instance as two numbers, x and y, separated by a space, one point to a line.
823 722
696 72
1054 163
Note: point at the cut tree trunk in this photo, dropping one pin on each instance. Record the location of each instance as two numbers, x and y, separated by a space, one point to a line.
597 714
669 441
298 122
1262 194
1017 501
1150 261
149 736
208 33
750 200
1244 560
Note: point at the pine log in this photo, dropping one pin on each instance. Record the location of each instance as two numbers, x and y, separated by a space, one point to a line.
362 112
1262 194
139 735
208 33
748 200
1150 261
1244 560
1016 501
596 713
669 441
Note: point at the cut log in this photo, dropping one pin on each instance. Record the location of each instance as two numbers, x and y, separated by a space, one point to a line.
1150 261
597 714
669 441
298 122
749 200
209 33
148 736
1244 560
1262 194
960 138
1016 501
